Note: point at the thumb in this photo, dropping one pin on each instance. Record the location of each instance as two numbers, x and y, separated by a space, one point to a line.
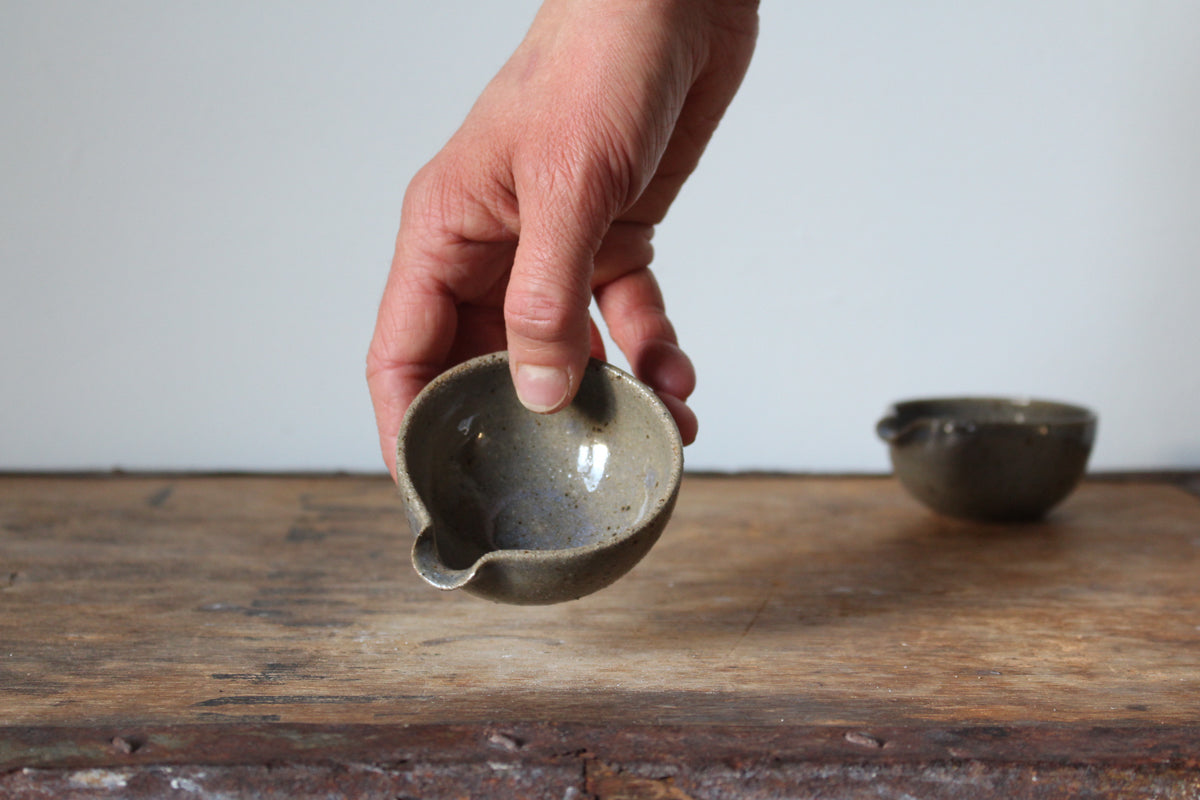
546 307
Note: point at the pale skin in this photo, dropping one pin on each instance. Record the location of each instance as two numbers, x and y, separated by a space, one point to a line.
548 195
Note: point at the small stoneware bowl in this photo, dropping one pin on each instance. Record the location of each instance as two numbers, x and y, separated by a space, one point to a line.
527 508
989 458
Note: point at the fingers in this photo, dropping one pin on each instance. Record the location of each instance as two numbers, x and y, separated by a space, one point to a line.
597 343
632 305
548 332
626 247
564 215
413 331
685 418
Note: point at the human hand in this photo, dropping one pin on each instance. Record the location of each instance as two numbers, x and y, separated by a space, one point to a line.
547 196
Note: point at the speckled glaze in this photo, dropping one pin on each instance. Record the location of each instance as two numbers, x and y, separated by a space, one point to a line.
532 509
989 458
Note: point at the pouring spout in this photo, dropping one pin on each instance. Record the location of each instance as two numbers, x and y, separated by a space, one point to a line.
889 428
894 430
430 567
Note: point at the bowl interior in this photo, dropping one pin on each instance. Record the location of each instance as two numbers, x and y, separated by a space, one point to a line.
494 476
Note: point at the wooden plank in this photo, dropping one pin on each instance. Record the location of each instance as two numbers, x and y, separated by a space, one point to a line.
600 762
144 601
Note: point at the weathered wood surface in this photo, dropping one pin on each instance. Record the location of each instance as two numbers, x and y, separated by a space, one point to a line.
830 608
769 600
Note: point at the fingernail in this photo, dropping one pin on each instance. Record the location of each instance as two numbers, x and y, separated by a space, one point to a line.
541 389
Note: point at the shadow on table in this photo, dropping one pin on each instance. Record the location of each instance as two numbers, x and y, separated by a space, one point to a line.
916 564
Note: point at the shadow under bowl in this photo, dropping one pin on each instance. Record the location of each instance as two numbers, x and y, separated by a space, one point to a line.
527 508
989 458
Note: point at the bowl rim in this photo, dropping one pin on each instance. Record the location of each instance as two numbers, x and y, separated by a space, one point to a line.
1065 413
421 520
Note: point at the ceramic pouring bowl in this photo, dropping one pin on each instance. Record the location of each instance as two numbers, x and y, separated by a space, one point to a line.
527 508
989 458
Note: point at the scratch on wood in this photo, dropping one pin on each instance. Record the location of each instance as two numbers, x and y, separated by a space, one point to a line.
230 608
506 741
303 699
753 621
157 499
864 739
236 719
126 744
477 636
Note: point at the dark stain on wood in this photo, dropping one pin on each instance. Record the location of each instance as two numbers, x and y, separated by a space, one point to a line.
270 673
159 498
298 534
304 700
481 637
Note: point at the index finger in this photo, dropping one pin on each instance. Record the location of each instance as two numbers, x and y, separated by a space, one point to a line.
414 331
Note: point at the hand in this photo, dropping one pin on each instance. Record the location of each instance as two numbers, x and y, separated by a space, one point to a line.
547 196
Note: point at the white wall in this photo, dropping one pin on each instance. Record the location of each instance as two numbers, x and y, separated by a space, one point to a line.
198 201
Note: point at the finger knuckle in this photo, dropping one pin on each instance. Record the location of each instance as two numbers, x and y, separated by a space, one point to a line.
537 316
587 175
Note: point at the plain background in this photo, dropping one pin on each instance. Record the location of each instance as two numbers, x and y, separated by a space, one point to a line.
198 203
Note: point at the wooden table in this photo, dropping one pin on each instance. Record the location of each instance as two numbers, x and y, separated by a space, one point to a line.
788 637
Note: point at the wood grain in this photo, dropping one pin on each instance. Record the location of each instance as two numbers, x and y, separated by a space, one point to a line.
774 601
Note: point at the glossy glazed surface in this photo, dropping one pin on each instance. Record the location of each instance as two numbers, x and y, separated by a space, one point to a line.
530 508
